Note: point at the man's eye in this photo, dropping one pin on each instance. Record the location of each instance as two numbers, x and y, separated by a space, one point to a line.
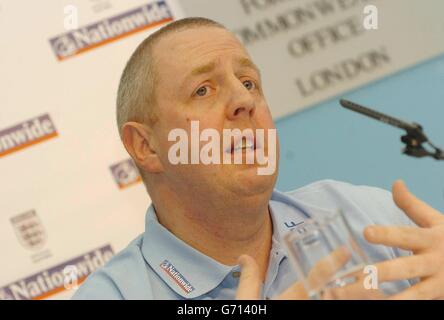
249 84
202 91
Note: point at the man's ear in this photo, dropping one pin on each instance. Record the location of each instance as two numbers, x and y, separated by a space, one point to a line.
138 142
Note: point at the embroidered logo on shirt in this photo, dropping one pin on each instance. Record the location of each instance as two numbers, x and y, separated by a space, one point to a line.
176 276
291 225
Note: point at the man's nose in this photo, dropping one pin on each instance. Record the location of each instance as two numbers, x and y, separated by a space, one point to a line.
241 102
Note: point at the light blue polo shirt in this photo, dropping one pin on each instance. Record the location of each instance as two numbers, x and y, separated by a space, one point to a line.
158 265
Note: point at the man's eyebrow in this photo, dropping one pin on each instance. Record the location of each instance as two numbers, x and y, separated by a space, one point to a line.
206 68
245 62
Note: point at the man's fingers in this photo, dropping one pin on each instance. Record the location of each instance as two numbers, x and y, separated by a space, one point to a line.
250 280
420 212
424 290
403 268
323 271
408 238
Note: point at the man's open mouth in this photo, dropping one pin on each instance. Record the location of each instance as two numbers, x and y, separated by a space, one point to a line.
242 144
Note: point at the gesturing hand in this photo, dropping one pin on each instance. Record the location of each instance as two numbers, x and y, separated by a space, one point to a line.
425 241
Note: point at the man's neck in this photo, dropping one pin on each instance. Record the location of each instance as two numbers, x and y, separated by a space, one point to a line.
222 233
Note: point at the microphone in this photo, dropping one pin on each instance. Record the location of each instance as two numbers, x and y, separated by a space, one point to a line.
414 138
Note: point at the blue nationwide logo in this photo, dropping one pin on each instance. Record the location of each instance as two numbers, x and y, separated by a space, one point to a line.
111 29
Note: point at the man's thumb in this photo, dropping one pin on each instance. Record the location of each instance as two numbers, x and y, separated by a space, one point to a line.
250 280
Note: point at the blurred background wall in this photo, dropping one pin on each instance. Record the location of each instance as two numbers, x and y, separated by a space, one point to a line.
327 141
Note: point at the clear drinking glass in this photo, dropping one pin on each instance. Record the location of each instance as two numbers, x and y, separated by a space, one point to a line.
325 254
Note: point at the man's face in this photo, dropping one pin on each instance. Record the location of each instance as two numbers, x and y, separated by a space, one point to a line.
205 74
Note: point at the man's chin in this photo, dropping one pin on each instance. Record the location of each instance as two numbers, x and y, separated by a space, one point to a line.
246 181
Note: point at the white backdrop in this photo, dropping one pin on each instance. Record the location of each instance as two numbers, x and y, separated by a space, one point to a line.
62 191
69 193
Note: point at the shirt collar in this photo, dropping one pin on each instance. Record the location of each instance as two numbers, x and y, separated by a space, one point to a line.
286 214
189 272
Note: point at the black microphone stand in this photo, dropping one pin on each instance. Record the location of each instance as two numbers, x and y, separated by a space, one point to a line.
414 139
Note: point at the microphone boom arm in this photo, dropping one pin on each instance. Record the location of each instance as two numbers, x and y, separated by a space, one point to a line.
414 138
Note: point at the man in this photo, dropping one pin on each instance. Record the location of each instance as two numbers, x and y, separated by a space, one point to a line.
208 220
